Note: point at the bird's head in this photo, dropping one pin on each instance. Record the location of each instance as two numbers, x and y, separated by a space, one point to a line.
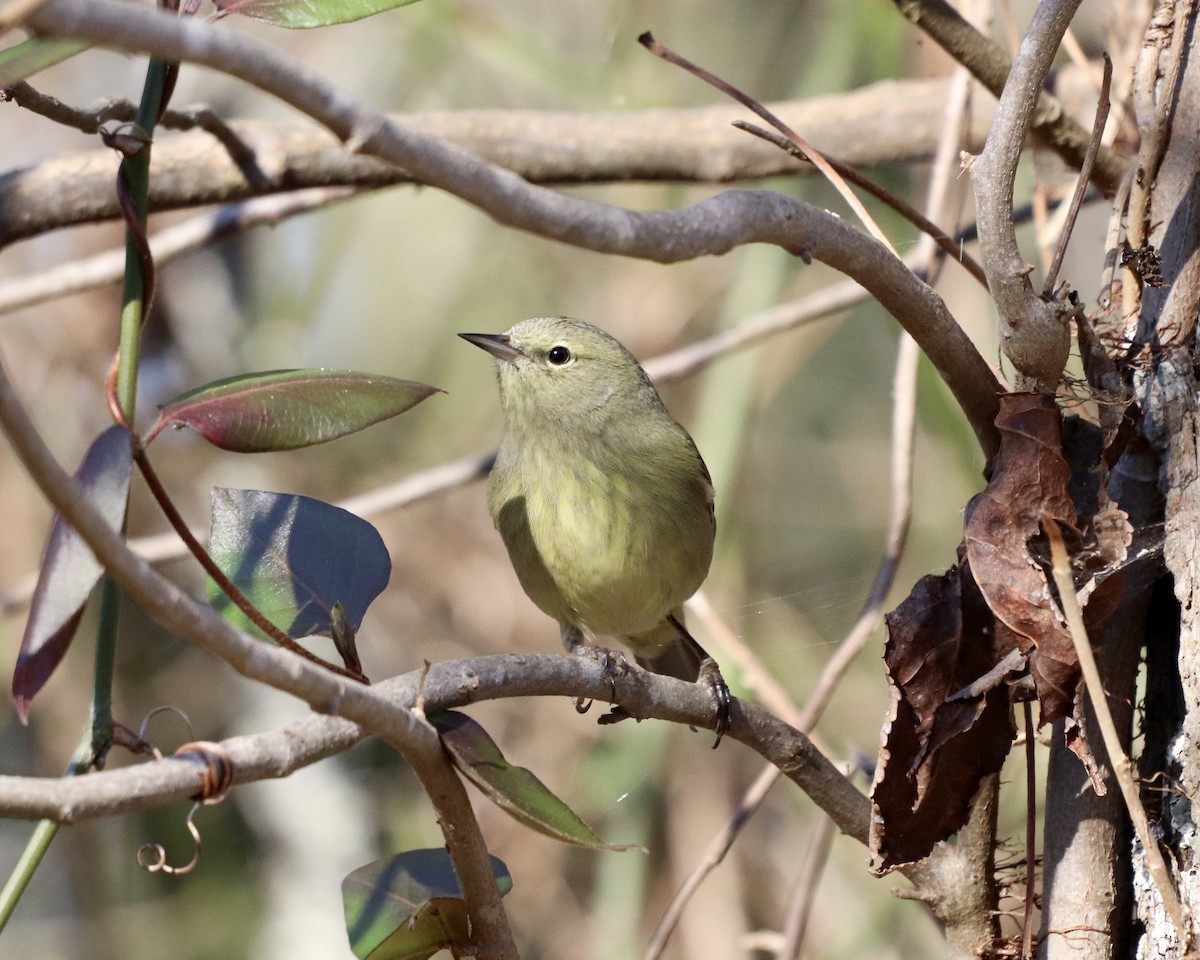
558 368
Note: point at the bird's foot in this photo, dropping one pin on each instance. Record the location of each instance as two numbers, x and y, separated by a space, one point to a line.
615 715
710 676
612 665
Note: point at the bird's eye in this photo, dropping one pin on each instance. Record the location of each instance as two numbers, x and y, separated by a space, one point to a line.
558 355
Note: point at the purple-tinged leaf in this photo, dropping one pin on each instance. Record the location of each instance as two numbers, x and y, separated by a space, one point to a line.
513 789
305 14
289 409
295 558
409 906
69 569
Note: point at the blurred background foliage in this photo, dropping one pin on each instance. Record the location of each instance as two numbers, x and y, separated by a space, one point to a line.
796 434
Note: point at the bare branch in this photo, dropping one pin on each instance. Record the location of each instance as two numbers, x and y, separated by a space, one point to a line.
642 694
889 122
446 685
712 226
107 268
1081 183
989 65
1033 333
162 600
1122 767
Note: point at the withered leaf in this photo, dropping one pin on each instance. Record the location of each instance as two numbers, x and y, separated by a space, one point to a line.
1029 478
935 752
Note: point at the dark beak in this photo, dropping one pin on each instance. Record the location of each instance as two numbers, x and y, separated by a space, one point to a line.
497 344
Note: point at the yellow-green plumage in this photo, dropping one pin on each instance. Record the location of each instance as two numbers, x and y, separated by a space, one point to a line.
600 496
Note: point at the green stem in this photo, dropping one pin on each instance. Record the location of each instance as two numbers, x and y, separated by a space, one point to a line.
138 289
102 682
39 843
135 171
134 176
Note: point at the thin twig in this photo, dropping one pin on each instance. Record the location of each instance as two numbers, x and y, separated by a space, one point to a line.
815 157
991 66
166 245
816 856
1081 184
949 245
1117 758
93 120
1030 830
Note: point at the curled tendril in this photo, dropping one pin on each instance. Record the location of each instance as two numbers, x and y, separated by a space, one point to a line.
136 742
164 708
152 857
216 778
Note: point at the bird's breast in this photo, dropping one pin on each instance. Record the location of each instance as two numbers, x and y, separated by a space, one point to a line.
610 547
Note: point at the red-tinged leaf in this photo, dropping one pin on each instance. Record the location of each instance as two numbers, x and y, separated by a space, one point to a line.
289 409
409 906
296 558
306 14
514 789
69 569
1029 478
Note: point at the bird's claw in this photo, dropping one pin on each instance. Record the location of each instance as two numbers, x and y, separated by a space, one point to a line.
612 665
710 675
615 715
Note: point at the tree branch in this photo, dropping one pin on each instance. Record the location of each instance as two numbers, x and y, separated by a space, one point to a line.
641 694
713 226
409 735
888 122
446 685
1050 122
1034 334
165 245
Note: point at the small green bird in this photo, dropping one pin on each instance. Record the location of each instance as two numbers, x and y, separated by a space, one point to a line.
602 499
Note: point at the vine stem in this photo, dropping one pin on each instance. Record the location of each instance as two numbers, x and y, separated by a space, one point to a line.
133 180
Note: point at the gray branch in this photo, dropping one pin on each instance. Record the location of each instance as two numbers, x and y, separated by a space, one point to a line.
1033 333
888 122
447 685
714 226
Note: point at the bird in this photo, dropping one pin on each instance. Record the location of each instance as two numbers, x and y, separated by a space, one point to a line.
602 500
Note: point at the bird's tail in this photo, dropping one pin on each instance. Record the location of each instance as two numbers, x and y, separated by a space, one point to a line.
668 649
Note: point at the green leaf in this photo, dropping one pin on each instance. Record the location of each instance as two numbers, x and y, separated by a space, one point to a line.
304 14
69 569
295 558
289 409
513 789
37 53
409 906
